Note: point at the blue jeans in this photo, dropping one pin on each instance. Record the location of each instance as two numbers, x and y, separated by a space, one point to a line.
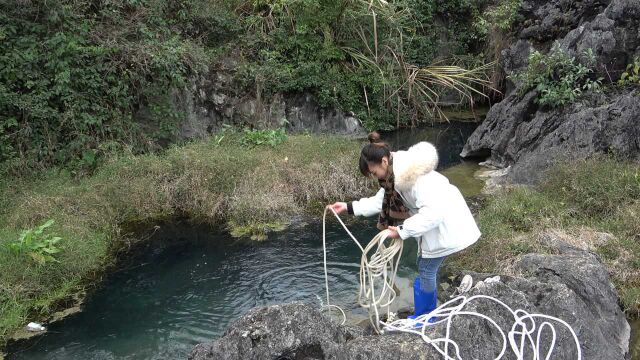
428 269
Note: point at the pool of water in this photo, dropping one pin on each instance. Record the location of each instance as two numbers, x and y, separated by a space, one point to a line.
185 285
449 138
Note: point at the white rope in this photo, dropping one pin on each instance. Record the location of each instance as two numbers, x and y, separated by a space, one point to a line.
380 267
523 338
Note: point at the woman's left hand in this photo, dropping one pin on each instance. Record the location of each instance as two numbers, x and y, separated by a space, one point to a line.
393 232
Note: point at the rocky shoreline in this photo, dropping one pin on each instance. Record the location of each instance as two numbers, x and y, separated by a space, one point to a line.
567 282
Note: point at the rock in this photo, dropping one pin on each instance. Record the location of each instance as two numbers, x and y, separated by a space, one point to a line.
570 284
216 99
304 114
494 179
520 134
553 19
531 140
291 331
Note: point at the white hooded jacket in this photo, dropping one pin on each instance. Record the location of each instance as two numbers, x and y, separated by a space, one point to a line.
440 218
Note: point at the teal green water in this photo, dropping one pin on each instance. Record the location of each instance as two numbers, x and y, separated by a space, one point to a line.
185 287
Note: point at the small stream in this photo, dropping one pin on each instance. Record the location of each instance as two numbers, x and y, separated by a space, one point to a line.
187 283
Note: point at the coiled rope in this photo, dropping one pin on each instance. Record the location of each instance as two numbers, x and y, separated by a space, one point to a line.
381 266
524 337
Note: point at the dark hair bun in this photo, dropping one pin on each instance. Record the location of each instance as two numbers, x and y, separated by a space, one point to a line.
374 137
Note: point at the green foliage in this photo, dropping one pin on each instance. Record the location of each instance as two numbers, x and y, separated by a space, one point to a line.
558 77
499 17
632 74
436 19
253 137
73 73
80 79
35 243
354 54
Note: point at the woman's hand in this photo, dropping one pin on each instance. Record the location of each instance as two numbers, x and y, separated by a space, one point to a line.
393 232
339 207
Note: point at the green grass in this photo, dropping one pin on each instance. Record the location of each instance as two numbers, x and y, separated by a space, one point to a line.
581 197
253 190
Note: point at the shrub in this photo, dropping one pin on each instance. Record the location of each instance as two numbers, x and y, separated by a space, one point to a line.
39 246
500 17
632 74
558 77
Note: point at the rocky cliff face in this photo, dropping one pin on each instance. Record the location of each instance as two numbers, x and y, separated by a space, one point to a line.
520 134
570 284
214 100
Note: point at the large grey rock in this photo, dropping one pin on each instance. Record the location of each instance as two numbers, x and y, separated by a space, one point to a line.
570 284
295 331
612 36
519 133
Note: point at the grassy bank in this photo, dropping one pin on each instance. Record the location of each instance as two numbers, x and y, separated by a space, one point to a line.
250 188
578 200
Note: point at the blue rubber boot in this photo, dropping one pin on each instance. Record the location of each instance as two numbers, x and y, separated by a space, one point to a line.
424 301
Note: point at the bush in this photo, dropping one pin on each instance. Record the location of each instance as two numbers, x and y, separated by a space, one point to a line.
558 77
39 246
632 74
74 72
499 17
331 49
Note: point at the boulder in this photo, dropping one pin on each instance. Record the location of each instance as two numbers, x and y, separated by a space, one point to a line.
530 140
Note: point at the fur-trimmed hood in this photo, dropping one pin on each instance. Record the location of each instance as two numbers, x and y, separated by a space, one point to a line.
409 165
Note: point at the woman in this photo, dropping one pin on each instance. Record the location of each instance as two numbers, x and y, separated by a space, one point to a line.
431 210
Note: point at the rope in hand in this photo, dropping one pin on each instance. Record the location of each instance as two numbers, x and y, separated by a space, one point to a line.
525 335
381 267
